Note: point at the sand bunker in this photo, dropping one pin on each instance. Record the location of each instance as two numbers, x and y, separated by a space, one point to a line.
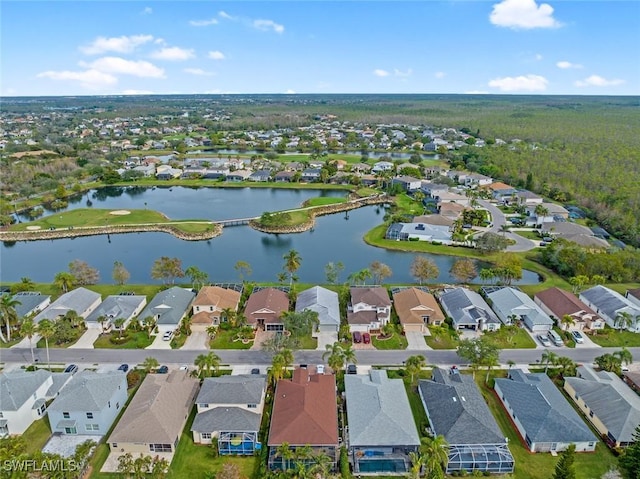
120 212
34 228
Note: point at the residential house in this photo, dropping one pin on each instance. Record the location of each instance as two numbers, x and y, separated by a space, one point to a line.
80 300
166 172
230 409
115 307
407 183
554 213
23 397
573 232
473 180
260 175
209 304
239 175
324 302
215 173
542 416
442 197
264 309
31 303
360 168
611 406
558 303
432 190
612 306
168 308
501 191
633 295
451 211
420 232
146 170
311 174
456 410
284 176
89 403
382 431
417 309
369 309
304 415
438 220
468 310
382 166
155 417
512 305
526 198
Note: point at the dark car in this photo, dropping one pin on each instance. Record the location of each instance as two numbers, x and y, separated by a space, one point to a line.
255 371
366 338
351 369
357 337
123 367
162 370
72 368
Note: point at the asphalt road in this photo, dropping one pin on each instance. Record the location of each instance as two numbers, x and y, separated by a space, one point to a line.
498 219
250 357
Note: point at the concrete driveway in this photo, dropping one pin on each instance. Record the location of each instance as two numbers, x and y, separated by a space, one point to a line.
87 339
416 342
325 338
197 340
24 344
588 343
159 343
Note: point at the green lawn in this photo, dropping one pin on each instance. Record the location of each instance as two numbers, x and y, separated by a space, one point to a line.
442 338
93 217
396 341
194 461
365 191
541 466
226 339
15 339
178 341
611 338
79 331
532 235
511 337
324 200
37 435
307 342
407 205
139 340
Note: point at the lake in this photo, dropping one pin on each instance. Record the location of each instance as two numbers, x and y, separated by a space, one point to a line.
335 238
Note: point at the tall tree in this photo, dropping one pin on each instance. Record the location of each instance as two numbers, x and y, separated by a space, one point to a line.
118 323
332 271
46 329
8 313
464 270
25 284
435 453
244 270
565 468
414 364
623 320
630 459
292 261
29 330
624 355
83 273
548 357
424 269
149 323
479 352
167 269
150 363
120 274
198 277
567 321
379 271
491 243
64 281
207 362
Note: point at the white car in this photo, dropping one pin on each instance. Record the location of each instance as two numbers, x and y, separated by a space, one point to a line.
167 336
320 368
577 337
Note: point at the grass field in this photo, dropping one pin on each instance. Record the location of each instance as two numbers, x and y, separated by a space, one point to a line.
396 341
37 435
225 340
611 338
139 340
324 200
442 338
511 337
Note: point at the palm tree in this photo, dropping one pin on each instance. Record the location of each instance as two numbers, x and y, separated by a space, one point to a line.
278 367
435 453
336 356
150 363
567 321
197 276
207 362
624 355
416 464
567 366
284 452
149 323
349 354
102 319
548 357
118 323
46 329
623 320
414 364
28 329
64 280
292 262
8 313
211 331
229 315
74 318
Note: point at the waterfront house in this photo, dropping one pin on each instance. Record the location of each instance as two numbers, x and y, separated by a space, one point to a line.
456 410
382 431
31 303
229 408
419 232
611 406
324 302
381 166
512 305
115 307
264 309
369 309
260 175
558 303
311 174
80 300
209 304
168 308
468 310
542 416
408 183
417 309
611 305
89 403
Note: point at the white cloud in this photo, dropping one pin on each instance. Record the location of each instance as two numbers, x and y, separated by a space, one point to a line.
123 44
596 80
90 79
520 83
267 25
290 92
203 23
115 65
147 11
523 14
137 92
380 73
439 75
538 57
400 73
566 65
198 72
224 14
173 54
216 55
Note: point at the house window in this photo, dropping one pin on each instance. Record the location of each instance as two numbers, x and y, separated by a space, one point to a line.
252 406
592 444
92 427
89 415
210 308
109 403
70 430
590 413
41 410
114 444
205 405
160 447
1 415
206 435
66 415
576 396
117 405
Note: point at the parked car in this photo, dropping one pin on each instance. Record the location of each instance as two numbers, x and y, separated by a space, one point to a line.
555 338
162 370
357 337
320 368
366 338
123 367
167 336
577 337
351 369
255 371
72 368
544 340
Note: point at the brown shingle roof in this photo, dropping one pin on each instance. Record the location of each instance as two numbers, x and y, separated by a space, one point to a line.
219 297
376 296
304 410
497 185
634 292
412 303
267 304
561 302
158 411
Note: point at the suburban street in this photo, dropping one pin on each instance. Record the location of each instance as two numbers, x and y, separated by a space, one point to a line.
499 219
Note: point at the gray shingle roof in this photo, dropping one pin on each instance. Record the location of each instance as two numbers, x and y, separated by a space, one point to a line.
540 407
231 419
77 300
89 391
614 403
508 301
28 302
17 386
169 305
609 302
59 381
457 410
323 301
240 389
466 307
378 411
116 306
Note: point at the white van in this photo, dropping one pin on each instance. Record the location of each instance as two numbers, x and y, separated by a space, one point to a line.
555 338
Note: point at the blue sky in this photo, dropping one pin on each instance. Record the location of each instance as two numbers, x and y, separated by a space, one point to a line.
164 47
